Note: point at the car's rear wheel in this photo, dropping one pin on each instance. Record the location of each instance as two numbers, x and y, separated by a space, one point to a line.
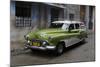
83 40
59 49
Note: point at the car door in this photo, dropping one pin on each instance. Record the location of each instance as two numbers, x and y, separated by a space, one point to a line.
74 32
77 32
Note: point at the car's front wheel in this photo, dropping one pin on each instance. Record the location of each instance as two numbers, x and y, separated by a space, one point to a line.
59 49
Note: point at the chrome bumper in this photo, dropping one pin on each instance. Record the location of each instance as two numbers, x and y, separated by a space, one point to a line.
41 47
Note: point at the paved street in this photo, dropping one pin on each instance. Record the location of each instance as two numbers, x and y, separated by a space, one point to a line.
79 53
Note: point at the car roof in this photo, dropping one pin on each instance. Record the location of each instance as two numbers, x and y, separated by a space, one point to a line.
66 21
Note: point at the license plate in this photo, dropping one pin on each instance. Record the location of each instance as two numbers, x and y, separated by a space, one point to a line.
36 44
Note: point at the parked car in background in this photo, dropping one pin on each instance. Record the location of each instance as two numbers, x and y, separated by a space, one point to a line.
57 39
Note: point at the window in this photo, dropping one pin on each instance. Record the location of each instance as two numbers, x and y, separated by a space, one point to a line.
56 25
71 16
77 26
23 22
23 14
71 26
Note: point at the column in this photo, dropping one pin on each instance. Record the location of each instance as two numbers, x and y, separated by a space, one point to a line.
42 16
93 18
87 17
48 16
35 16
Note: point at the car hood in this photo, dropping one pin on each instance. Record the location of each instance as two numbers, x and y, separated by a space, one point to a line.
45 33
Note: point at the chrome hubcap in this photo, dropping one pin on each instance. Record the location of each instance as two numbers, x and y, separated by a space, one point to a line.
60 48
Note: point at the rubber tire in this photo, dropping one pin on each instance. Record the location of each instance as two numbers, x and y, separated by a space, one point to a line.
84 40
59 49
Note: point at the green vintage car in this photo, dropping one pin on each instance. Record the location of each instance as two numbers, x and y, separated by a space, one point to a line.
56 39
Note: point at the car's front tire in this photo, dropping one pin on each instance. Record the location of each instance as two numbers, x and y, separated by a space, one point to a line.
59 49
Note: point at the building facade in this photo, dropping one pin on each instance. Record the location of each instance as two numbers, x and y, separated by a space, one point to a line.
87 15
72 12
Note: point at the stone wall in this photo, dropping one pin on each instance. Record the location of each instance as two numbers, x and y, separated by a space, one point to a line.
73 9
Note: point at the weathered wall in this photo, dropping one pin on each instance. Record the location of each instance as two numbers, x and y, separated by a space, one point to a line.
17 33
73 9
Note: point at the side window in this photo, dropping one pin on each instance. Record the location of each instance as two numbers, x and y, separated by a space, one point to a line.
82 26
71 27
77 26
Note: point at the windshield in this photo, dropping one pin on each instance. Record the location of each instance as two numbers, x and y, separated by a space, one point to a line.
56 25
65 26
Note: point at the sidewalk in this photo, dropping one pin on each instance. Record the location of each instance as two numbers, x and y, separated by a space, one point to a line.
91 32
16 45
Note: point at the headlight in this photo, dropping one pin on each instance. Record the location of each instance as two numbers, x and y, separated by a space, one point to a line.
28 41
44 43
26 37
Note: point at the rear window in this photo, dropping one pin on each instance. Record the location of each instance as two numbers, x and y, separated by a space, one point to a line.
82 25
77 26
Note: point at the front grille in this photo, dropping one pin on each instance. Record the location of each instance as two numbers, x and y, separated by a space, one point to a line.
38 41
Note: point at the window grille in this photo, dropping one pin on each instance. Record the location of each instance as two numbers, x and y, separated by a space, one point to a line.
23 22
